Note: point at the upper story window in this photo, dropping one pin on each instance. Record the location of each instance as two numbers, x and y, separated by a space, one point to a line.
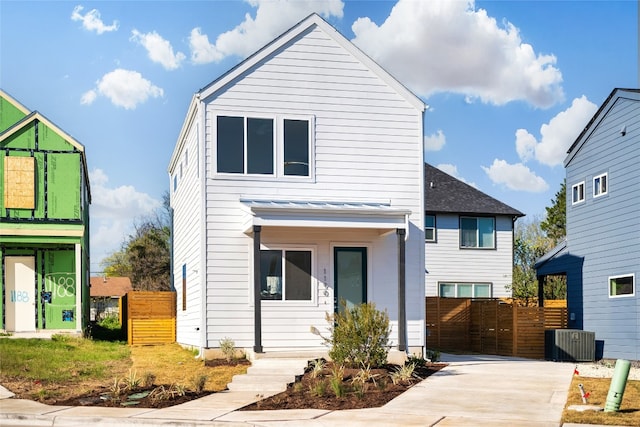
477 232
577 193
600 185
430 228
263 146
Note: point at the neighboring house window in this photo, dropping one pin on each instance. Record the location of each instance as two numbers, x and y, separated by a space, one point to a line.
249 146
577 193
465 290
477 232
175 182
621 286
430 228
600 185
285 275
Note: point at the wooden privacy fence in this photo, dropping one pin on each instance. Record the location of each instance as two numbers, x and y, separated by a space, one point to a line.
150 317
490 326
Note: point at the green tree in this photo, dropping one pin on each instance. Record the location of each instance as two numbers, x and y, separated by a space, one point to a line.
145 255
555 223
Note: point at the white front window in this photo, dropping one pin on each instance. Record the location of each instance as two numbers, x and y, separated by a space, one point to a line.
600 185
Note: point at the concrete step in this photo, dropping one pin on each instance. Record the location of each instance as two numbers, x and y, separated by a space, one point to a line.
269 375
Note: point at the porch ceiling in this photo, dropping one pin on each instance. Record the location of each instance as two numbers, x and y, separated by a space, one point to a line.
323 214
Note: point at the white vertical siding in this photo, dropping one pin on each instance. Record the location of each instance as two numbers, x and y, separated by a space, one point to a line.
368 146
446 262
186 202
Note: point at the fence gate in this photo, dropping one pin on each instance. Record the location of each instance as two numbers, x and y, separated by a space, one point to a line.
150 317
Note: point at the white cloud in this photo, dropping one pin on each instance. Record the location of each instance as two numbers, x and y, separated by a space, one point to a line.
434 142
91 21
158 49
449 46
113 212
272 19
515 177
557 135
452 170
125 88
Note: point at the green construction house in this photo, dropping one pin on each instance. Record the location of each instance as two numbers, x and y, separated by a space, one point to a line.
44 225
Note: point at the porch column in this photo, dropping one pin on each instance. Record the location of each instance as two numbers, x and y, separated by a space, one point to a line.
402 313
541 280
257 313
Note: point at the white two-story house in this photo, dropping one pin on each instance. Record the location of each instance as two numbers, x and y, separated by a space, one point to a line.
468 239
297 183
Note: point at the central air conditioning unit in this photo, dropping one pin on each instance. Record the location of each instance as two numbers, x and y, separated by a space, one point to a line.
569 345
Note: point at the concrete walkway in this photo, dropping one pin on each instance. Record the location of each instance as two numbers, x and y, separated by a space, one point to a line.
471 391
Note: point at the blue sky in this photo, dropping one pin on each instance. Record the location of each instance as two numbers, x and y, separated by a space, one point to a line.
509 84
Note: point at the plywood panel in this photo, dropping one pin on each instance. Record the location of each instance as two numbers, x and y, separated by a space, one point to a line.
19 182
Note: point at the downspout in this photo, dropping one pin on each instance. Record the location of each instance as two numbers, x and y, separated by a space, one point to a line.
202 160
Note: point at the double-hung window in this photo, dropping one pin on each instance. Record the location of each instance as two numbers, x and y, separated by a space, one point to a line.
286 274
477 232
577 193
263 146
430 228
622 286
600 185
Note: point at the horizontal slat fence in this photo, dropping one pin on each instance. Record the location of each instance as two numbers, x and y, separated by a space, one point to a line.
150 317
490 326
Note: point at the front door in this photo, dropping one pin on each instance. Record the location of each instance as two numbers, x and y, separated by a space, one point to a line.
350 276
20 301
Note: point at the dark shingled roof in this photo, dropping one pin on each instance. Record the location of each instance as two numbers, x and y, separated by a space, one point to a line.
444 193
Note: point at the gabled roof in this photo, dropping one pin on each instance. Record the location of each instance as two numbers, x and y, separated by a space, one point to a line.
30 118
313 20
109 286
599 116
446 194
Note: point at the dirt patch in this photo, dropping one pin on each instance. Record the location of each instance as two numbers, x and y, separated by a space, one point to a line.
317 391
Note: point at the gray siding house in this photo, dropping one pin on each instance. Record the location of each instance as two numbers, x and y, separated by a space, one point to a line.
602 252
468 239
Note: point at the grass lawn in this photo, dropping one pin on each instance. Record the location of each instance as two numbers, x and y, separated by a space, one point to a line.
64 367
598 388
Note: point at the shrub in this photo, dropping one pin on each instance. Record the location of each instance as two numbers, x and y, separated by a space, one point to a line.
228 348
359 336
433 355
110 322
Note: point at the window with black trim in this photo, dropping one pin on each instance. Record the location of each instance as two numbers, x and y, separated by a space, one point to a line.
285 274
477 233
430 228
600 185
622 286
577 193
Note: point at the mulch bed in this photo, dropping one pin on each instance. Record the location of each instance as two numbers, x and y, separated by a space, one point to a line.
308 392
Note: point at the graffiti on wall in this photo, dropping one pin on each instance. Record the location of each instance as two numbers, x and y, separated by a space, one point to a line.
61 285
